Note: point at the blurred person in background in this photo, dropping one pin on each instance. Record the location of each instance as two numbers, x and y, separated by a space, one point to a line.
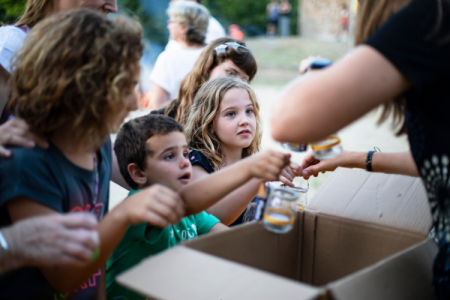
401 62
188 23
345 19
225 57
235 32
273 10
285 18
215 30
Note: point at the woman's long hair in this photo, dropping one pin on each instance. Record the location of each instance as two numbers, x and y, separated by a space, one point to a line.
207 61
205 108
372 15
34 12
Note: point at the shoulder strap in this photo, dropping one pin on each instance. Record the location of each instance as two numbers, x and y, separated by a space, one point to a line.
24 28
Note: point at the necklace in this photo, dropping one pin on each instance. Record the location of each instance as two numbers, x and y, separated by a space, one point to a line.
94 202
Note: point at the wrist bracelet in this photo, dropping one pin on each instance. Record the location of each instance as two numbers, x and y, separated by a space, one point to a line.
369 161
3 241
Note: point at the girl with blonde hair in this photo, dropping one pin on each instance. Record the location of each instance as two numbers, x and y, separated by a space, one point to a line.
402 63
224 57
223 127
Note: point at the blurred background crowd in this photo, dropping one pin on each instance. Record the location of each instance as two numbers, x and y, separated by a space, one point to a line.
280 34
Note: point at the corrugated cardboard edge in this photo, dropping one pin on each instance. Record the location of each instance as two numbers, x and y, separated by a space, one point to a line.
413 264
344 246
309 238
191 269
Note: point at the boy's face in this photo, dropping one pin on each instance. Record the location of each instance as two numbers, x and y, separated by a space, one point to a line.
169 163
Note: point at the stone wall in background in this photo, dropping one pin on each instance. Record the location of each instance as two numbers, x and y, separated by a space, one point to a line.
321 19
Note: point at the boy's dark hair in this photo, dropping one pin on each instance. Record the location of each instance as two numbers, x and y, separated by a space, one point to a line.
131 143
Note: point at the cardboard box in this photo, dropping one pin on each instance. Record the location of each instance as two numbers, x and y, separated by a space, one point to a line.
363 237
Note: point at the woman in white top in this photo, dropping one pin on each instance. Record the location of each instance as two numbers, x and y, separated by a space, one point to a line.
188 24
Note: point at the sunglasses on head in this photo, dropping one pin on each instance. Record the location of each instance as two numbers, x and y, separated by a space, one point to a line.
223 48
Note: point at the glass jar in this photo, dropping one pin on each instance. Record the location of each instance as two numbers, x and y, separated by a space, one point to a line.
280 210
327 148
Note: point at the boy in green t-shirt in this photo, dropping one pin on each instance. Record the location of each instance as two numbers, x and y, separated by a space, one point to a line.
153 150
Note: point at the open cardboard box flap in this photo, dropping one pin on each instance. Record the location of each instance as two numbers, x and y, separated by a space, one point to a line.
183 273
362 240
392 200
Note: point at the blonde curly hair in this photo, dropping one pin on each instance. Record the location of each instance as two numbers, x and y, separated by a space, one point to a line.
205 108
74 72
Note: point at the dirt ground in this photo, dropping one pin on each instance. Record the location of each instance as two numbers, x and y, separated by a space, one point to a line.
277 65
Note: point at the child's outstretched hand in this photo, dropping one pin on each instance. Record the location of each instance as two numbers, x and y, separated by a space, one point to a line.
289 173
268 165
156 205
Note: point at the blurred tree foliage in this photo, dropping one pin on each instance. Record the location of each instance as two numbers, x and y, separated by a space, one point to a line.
154 26
154 21
10 10
249 14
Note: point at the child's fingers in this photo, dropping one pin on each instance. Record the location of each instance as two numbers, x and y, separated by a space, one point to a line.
18 123
155 219
272 173
169 197
4 152
42 143
288 175
17 140
296 169
165 211
280 163
286 181
173 201
290 171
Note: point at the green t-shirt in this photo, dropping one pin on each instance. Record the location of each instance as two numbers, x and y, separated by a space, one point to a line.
141 241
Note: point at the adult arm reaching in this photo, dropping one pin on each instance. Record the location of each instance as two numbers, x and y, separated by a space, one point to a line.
319 104
390 163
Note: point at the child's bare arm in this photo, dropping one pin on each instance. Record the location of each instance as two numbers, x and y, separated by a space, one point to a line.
101 291
203 193
156 205
230 207
218 227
